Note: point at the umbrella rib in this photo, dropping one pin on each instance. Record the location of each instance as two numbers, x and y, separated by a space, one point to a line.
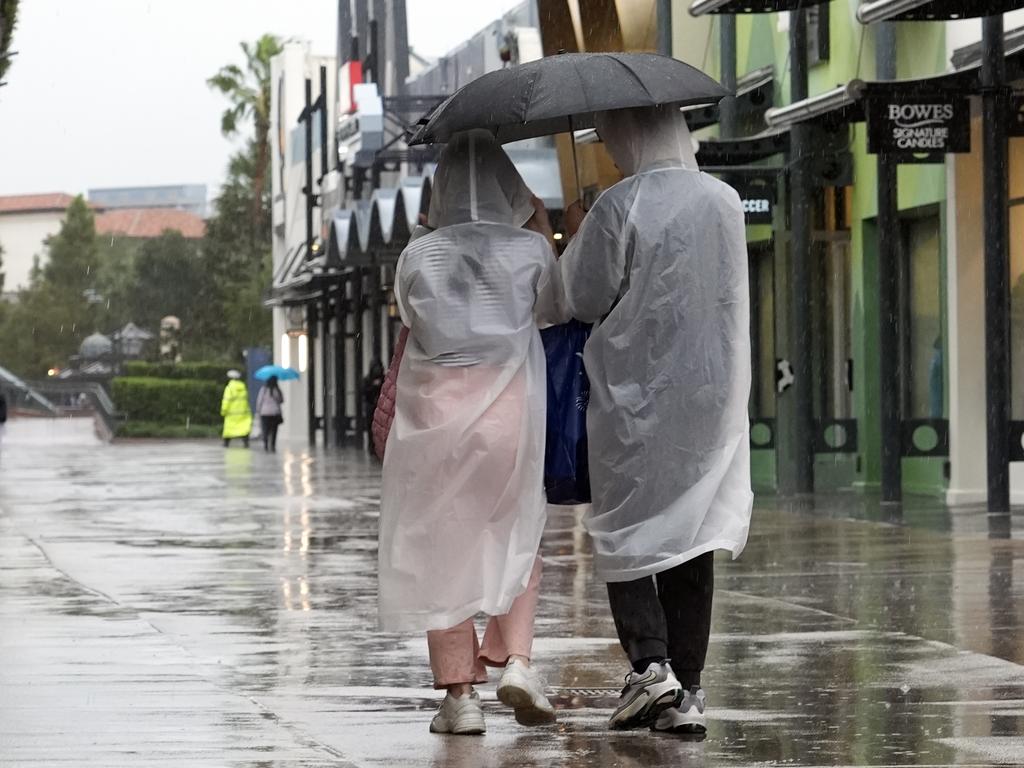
634 76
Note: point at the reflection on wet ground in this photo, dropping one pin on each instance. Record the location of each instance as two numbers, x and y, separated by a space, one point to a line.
179 604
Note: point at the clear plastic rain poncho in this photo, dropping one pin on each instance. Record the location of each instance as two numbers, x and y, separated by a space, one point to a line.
660 264
462 501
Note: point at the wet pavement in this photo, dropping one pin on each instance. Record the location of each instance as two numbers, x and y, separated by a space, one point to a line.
178 604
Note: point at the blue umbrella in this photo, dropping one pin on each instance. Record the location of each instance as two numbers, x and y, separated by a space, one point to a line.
283 374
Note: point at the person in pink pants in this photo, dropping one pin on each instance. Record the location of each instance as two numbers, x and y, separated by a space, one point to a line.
462 497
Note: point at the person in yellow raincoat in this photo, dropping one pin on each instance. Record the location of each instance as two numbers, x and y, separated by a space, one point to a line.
234 407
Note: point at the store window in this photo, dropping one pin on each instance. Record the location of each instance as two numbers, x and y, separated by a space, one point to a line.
1017 307
921 353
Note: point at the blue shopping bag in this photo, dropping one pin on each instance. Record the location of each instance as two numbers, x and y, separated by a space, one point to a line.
566 471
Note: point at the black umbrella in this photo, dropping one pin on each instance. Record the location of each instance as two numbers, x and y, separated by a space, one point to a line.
561 93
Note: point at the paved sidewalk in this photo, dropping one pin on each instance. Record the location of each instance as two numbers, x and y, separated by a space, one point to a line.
178 604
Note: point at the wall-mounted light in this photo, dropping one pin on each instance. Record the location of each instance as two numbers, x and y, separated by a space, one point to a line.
303 353
286 350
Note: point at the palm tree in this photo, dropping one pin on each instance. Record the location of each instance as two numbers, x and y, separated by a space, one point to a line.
249 93
8 18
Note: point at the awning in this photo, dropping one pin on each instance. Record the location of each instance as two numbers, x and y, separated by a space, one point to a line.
754 91
703 7
718 153
932 10
970 55
846 103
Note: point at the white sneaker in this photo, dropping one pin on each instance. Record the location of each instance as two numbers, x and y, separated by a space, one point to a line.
645 696
687 718
461 716
522 688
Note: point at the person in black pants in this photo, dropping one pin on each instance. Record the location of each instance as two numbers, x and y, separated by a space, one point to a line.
659 265
268 406
668 617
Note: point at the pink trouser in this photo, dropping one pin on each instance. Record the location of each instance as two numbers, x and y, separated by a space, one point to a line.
456 655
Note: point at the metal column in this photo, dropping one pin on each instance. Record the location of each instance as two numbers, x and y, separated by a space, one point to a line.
889 292
324 150
665 27
311 334
801 192
376 305
325 338
307 119
311 310
358 368
997 279
340 362
727 47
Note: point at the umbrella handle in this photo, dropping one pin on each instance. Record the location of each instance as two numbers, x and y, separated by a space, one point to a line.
575 162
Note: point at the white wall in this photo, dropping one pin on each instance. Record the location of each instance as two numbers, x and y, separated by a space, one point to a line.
22 236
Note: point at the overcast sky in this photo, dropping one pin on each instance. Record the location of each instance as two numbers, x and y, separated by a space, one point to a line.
107 93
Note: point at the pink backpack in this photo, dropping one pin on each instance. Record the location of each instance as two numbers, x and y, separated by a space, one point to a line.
384 413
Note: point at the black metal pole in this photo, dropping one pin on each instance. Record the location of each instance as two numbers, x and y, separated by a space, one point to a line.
323 125
325 338
359 316
889 291
801 191
308 124
997 278
376 326
340 367
311 322
727 47
665 27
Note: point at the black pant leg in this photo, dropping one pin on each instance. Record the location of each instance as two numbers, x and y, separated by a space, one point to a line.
686 593
273 433
265 427
639 618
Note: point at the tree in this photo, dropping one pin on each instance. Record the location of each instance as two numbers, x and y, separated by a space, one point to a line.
249 93
237 246
1 270
8 18
168 280
51 317
236 255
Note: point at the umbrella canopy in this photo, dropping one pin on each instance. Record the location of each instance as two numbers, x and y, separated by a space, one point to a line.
562 93
283 374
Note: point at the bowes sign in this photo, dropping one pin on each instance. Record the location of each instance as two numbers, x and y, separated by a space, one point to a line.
918 128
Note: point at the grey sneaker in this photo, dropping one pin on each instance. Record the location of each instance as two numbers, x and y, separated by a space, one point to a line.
688 718
522 688
646 696
461 716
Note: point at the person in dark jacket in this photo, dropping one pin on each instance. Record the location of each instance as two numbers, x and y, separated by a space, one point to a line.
3 416
268 408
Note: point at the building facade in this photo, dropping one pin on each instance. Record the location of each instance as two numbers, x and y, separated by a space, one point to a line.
26 221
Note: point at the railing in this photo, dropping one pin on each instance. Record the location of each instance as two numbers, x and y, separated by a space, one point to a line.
70 398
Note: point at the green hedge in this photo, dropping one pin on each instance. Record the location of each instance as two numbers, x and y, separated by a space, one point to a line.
203 371
177 402
167 431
